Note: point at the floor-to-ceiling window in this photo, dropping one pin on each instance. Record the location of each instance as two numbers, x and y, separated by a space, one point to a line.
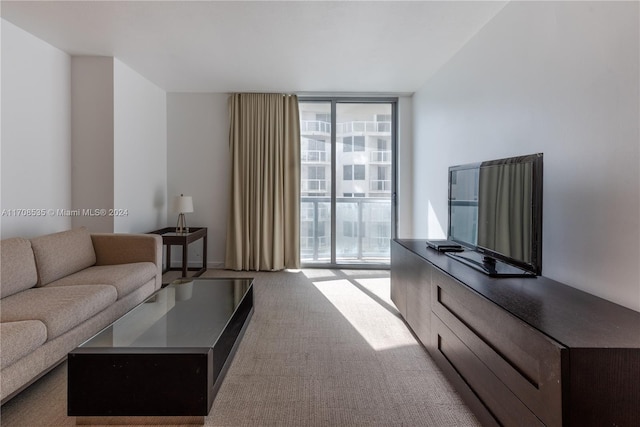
346 215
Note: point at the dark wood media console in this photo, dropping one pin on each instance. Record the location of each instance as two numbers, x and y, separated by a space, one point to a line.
521 351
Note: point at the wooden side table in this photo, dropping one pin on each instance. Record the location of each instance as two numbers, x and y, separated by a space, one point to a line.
171 238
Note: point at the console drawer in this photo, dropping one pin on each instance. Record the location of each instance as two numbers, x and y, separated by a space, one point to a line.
501 403
520 358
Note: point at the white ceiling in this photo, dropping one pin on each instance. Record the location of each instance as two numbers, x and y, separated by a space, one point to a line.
265 46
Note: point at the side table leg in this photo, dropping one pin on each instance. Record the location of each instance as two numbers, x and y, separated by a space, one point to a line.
168 257
204 253
185 259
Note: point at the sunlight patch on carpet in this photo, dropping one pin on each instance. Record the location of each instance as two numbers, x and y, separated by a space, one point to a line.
379 327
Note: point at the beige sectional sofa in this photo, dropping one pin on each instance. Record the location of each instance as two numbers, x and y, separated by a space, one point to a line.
58 290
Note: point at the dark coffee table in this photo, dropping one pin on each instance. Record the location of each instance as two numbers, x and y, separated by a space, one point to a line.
165 358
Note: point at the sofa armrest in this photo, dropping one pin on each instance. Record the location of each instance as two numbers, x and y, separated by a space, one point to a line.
112 248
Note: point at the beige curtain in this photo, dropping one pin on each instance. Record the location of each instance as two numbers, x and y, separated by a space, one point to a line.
264 139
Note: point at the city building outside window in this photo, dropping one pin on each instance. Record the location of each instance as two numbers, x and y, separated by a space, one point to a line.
353 172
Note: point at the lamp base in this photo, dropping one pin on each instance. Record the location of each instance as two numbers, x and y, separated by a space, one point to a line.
181 226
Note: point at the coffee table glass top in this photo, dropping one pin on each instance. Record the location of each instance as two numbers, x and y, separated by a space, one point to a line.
186 313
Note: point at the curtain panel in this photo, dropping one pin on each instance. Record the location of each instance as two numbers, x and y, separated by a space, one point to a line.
263 230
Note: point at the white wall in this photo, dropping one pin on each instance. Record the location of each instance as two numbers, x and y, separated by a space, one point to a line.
198 166
119 140
92 121
562 79
80 132
139 151
35 139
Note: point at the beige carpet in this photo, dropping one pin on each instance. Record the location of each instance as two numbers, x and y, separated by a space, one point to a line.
324 348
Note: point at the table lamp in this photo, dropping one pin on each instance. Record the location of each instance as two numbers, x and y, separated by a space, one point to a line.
182 204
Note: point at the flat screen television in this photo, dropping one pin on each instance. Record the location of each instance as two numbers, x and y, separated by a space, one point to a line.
495 211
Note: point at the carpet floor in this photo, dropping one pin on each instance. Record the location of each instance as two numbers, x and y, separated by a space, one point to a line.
324 348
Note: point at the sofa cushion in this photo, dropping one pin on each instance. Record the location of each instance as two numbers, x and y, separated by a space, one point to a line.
126 278
18 266
17 339
59 308
60 254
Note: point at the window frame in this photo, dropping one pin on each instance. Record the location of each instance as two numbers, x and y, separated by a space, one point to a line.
392 146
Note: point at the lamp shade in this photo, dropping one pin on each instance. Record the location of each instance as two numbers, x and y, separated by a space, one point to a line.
183 204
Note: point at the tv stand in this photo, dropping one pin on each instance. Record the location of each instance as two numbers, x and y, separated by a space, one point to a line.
488 265
488 260
520 351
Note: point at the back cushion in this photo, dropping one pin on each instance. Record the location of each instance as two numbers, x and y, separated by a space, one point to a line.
17 266
61 254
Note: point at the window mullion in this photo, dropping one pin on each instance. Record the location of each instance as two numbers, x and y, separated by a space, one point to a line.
333 181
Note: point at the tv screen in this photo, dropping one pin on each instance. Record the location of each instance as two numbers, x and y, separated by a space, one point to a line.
463 204
495 208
